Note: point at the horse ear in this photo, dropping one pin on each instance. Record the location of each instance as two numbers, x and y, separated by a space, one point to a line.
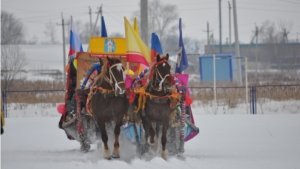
167 56
100 61
157 57
108 59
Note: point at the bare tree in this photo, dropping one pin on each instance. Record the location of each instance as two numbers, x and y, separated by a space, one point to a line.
13 60
32 41
50 32
12 29
276 49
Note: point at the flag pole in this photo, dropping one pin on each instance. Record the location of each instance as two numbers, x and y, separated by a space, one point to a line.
64 48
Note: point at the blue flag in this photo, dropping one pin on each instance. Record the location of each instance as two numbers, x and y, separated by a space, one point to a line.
103 28
182 61
155 46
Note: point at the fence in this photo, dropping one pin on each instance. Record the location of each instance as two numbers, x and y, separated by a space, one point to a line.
261 97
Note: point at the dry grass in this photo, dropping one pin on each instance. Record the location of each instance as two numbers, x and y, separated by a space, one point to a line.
271 86
35 97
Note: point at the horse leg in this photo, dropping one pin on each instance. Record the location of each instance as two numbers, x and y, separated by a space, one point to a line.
158 136
116 153
104 140
164 139
152 133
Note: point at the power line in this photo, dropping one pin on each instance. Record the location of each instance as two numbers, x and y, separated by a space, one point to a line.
260 9
290 2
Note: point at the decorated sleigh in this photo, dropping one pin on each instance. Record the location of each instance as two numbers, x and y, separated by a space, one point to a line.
79 124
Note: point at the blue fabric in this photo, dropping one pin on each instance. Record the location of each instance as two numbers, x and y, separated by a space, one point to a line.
97 67
103 28
155 44
182 61
129 131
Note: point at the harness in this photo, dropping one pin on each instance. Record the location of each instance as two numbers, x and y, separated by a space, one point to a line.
143 93
106 92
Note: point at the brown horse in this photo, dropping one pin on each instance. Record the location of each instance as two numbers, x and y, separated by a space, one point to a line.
157 108
107 101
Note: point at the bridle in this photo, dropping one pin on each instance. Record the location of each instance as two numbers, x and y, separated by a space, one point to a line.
111 79
158 75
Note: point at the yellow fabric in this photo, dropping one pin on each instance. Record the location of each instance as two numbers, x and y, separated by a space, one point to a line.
135 26
129 72
134 43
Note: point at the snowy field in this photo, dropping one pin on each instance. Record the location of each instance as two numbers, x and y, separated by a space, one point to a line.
232 141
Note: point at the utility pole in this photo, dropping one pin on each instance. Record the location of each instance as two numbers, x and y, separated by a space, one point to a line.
64 48
256 52
212 41
144 21
208 40
220 23
91 24
237 43
285 38
99 13
229 26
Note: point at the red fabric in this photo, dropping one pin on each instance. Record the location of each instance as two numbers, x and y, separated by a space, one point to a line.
131 97
153 55
137 58
172 79
188 100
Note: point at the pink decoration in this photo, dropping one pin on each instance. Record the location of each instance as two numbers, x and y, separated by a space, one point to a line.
128 82
61 109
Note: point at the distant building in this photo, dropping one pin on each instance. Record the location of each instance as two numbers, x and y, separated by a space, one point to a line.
276 56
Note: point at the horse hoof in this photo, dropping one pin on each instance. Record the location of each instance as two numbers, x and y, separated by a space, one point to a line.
108 158
163 155
115 155
149 142
107 154
85 148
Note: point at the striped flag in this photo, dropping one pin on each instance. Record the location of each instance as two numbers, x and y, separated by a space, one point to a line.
75 43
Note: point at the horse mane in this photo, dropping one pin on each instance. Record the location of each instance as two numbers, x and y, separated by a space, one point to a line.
103 73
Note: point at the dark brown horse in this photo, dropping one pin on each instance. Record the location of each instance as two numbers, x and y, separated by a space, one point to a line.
157 107
107 102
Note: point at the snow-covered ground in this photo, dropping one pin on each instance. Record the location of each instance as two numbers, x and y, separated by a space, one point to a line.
225 141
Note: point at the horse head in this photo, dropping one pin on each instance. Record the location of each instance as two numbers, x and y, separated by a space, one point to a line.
115 75
161 75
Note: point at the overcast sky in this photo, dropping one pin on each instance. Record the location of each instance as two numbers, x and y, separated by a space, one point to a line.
194 13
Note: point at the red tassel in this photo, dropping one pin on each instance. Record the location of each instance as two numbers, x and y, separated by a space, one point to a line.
131 97
188 100
172 79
